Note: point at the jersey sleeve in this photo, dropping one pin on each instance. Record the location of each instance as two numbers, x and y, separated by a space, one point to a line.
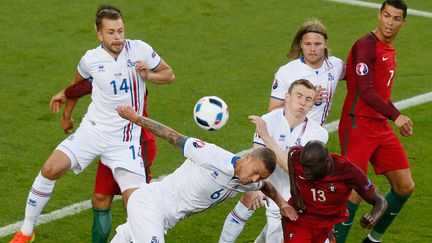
83 67
198 151
363 62
341 68
359 181
149 55
280 86
79 89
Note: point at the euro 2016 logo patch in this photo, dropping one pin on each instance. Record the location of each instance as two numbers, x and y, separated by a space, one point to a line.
275 84
362 69
198 144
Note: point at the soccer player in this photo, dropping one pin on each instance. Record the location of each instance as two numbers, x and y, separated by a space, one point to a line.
364 132
320 185
311 62
118 68
105 185
208 176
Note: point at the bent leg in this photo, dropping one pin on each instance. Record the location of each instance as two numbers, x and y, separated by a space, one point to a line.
56 165
402 187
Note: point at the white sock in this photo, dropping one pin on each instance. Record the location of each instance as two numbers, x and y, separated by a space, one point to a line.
38 197
234 223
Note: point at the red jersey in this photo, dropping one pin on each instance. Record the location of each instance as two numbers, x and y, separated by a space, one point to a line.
326 199
370 70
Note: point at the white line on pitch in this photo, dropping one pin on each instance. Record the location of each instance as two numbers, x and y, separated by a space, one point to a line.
84 205
377 6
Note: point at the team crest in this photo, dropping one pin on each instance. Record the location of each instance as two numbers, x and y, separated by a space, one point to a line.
362 69
275 84
129 63
332 188
298 142
330 77
198 144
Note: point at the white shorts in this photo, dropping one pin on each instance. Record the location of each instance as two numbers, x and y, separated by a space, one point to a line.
87 143
145 218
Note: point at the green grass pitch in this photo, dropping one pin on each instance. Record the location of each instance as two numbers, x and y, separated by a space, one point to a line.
228 48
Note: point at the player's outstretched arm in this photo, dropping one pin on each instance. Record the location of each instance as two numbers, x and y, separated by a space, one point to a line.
295 193
285 209
158 129
379 206
261 129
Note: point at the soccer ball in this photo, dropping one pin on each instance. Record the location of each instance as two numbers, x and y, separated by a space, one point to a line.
211 113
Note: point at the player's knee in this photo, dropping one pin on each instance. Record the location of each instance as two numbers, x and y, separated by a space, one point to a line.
101 201
406 189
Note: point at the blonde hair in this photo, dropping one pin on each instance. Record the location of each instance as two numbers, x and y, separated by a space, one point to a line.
312 25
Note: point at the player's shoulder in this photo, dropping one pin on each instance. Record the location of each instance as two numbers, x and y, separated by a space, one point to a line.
367 40
94 55
137 43
293 64
271 115
335 61
345 167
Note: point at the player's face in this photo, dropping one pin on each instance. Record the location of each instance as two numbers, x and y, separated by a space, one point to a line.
313 47
300 101
317 172
111 35
390 20
253 171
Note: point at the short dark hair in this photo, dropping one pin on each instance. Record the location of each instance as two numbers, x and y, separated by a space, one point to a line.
106 11
399 4
303 82
267 156
314 153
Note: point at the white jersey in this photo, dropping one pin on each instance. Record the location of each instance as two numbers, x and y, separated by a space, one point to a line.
285 137
116 82
327 76
203 180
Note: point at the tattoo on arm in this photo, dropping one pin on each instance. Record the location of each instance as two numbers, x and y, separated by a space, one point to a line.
162 131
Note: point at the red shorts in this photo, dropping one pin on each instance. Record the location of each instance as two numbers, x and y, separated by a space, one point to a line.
365 139
105 183
300 232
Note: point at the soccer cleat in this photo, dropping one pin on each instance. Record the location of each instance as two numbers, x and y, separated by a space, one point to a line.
368 240
21 238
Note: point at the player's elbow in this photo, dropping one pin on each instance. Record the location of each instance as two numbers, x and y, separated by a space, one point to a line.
170 78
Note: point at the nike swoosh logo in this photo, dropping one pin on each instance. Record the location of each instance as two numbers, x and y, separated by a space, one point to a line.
393 214
385 58
346 224
301 177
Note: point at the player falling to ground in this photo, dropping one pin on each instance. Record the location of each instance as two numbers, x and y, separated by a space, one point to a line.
208 176
312 62
320 185
105 185
118 68
364 131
